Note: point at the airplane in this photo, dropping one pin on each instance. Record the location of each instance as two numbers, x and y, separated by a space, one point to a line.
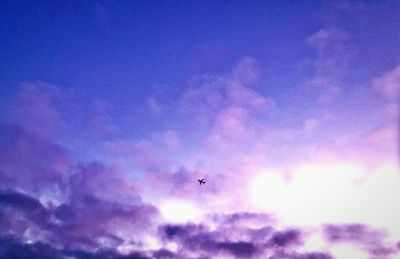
201 181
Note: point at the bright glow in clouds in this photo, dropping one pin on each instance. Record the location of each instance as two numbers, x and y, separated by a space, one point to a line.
172 246
126 248
151 242
315 242
268 191
179 211
332 194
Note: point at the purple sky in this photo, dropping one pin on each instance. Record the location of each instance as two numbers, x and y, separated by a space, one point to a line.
111 110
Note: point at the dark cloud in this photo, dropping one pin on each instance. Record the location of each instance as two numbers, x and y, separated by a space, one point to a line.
181 231
76 234
283 254
198 237
336 233
381 251
60 201
265 243
262 234
164 254
286 237
12 247
98 221
352 233
19 204
87 224
239 249
63 202
313 255
201 239
237 217
23 202
364 237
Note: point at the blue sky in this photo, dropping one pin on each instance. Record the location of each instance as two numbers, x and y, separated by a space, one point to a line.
147 49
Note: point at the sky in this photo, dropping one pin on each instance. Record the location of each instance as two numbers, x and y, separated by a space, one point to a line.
110 110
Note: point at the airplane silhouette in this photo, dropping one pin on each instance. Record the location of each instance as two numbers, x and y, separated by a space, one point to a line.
201 181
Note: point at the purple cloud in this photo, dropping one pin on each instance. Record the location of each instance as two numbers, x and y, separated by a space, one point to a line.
12 247
238 249
313 255
388 84
113 221
31 162
351 232
163 253
21 212
372 241
35 108
285 238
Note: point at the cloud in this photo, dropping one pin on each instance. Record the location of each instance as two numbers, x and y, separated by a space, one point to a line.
101 181
238 249
142 153
209 95
53 202
333 51
330 67
388 84
224 113
71 224
231 125
246 71
163 253
112 218
35 108
223 240
286 237
313 255
154 106
177 184
21 212
49 198
12 247
31 162
364 238
311 124
101 120
352 232
199 239
239 218
180 231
